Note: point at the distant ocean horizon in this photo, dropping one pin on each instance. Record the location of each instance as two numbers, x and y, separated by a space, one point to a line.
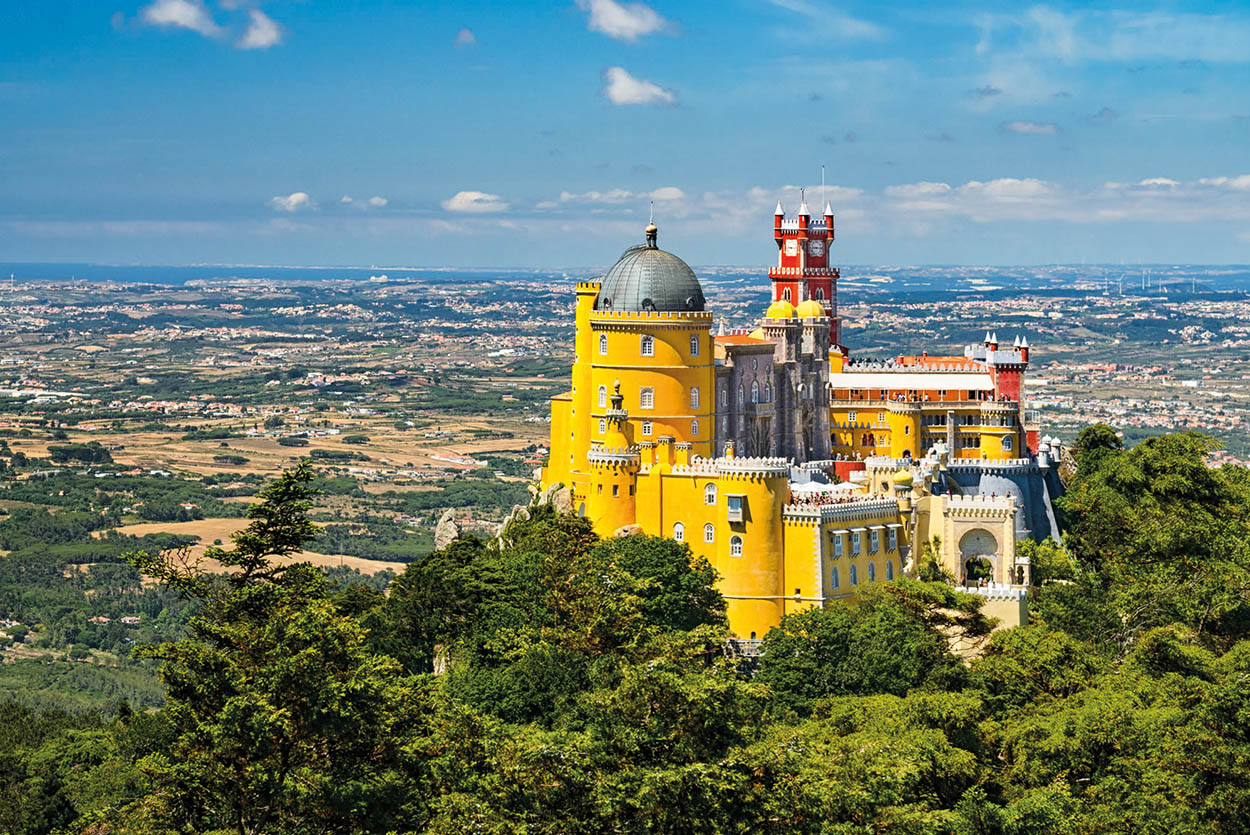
875 278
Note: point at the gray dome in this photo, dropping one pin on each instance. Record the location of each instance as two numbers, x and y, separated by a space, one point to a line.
648 278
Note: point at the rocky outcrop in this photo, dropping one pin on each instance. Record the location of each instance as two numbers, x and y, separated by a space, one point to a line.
447 530
559 497
626 530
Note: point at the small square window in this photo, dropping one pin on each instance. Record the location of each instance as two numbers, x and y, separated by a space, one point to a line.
734 504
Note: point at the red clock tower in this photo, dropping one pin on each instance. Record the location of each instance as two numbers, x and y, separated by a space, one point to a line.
803 270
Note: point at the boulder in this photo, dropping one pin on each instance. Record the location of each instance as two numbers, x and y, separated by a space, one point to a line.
447 529
626 530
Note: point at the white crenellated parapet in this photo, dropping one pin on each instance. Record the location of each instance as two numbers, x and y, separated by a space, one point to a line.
981 506
846 510
992 464
997 591
613 456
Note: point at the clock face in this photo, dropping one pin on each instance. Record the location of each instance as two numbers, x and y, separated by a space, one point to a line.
792 246
816 248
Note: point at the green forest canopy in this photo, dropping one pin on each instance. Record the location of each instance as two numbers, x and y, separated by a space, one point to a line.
581 687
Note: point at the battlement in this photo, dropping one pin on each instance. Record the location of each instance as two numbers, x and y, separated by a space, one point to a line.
696 316
750 467
997 592
590 285
992 466
850 509
613 456
804 272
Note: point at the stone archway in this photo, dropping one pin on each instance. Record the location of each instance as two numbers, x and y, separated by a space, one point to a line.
978 555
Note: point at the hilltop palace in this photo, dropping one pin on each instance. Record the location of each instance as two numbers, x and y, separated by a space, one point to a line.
800 474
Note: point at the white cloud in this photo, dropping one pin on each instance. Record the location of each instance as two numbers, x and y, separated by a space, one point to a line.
623 21
1026 127
293 202
475 202
1158 182
921 189
827 20
345 200
464 38
1098 36
182 14
262 31
620 195
622 88
1241 183
378 202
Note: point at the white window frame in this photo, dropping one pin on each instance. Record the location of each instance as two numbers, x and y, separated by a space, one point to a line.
603 426
646 398
850 417
603 397
647 347
646 429
709 494
724 395
735 546
694 427
679 532
694 397
891 539
694 346
1008 443
603 344
735 508
755 391
709 532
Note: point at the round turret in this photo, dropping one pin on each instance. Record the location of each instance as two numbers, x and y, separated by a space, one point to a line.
903 480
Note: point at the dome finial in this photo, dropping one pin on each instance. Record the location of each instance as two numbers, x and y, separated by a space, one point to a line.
651 229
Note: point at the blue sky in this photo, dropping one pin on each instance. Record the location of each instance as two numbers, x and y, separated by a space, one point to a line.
536 134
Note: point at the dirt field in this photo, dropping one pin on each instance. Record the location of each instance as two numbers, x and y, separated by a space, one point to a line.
210 529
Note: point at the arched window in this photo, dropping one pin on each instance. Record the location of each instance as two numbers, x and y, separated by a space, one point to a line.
679 532
724 396
742 395
603 397
834 580
735 546
603 344
709 494
694 397
786 295
694 428
1007 443
768 393
819 294
694 346
755 391
872 572
709 532
648 346
854 576
889 569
